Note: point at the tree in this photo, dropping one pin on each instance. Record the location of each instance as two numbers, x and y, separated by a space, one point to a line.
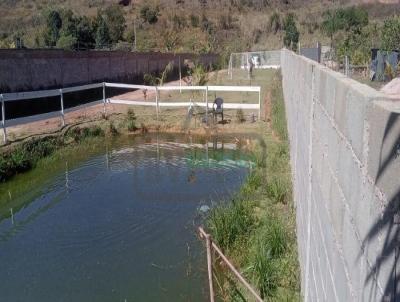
85 33
331 24
53 26
352 20
102 33
291 37
114 17
391 34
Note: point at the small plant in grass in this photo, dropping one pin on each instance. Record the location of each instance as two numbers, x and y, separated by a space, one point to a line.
131 114
131 126
240 116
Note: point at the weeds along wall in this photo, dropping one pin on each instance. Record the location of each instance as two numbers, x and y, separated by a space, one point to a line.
345 147
24 70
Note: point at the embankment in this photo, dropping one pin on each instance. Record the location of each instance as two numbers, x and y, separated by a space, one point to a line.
344 146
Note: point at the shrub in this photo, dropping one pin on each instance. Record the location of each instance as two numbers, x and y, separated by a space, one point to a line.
149 14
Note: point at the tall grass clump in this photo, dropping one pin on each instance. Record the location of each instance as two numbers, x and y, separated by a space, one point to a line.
277 189
131 120
82 133
278 115
229 223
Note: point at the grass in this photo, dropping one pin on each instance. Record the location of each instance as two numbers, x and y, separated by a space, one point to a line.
257 228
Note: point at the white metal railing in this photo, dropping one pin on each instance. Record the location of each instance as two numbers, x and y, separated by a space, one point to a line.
31 95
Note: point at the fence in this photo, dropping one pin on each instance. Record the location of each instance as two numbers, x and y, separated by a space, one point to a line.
32 95
210 245
258 59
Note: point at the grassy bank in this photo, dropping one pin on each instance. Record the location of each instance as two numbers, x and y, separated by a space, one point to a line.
257 228
24 156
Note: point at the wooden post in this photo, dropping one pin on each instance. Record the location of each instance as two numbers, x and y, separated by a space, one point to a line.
157 106
3 120
207 105
209 267
62 108
104 98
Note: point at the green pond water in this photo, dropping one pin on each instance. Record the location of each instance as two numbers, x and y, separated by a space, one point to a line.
115 221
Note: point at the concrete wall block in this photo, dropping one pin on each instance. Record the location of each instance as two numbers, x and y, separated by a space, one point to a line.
336 210
334 145
384 148
343 89
352 253
342 284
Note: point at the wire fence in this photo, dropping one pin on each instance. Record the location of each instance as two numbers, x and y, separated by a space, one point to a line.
254 60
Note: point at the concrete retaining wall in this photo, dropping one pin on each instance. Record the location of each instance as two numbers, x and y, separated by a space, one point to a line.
23 70
345 158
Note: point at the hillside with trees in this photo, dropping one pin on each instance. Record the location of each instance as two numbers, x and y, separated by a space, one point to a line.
200 26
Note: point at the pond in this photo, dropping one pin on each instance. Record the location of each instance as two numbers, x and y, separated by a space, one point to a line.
116 222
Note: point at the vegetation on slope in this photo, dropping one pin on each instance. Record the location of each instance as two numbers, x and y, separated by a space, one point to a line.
199 26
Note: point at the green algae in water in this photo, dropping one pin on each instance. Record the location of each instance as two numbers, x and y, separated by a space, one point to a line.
114 221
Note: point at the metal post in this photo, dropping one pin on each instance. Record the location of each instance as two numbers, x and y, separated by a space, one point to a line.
248 65
209 267
299 47
104 98
346 66
259 105
62 108
207 105
3 122
180 75
157 106
232 67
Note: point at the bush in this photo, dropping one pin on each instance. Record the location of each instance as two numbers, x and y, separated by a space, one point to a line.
149 14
